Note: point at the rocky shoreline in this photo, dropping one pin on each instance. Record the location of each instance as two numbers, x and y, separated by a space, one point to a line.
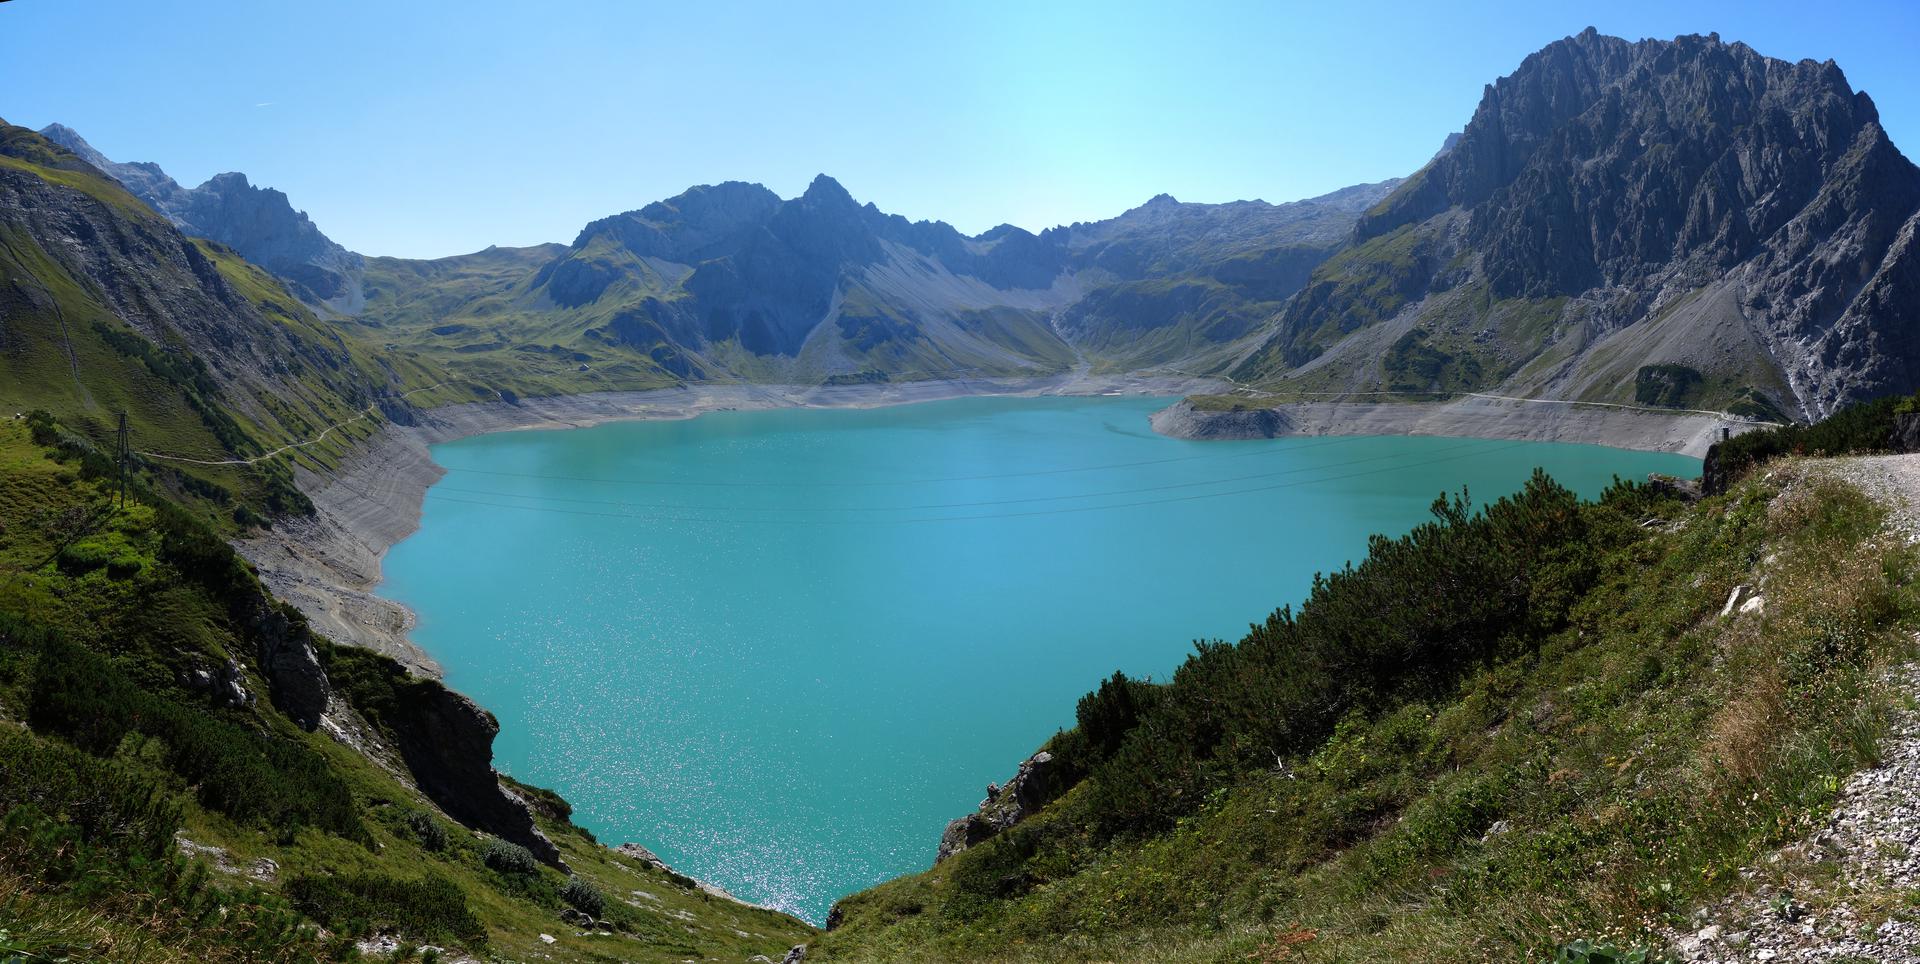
1469 417
328 565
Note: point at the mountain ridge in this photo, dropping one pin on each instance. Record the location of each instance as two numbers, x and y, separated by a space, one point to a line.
259 222
731 281
1682 223
1617 210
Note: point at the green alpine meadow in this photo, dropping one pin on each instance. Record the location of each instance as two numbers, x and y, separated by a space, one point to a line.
1362 484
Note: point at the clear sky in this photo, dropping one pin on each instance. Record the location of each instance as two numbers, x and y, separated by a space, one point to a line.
433 128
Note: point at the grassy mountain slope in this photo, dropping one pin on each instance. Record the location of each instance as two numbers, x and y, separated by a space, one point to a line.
472 314
209 356
164 801
1504 731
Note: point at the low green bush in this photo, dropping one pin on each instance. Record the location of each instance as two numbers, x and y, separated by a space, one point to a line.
509 858
431 907
428 831
584 897
1587 952
100 834
104 802
1856 429
86 699
1421 609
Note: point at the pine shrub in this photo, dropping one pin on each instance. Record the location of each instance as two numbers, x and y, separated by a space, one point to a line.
510 858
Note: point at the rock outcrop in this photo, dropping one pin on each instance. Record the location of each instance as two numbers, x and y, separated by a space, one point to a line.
223 685
295 680
638 853
1906 432
1034 785
446 741
1183 420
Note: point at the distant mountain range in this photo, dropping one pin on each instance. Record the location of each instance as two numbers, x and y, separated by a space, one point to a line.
1683 223
731 281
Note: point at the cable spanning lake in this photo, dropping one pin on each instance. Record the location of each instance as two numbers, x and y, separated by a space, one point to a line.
783 648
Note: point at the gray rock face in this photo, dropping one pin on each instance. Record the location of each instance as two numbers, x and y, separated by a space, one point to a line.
1906 432
1034 785
446 741
259 223
224 685
266 230
765 273
1694 203
295 679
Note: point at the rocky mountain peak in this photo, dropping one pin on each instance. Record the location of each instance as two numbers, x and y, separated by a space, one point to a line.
259 223
825 191
233 181
70 139
1686 203
1724 143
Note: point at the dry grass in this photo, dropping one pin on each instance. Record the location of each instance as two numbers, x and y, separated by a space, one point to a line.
1741 743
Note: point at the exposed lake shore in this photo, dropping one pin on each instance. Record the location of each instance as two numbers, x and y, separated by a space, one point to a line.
1468 417
329 564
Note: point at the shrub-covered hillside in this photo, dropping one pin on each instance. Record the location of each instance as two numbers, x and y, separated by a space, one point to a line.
1512 729
169 792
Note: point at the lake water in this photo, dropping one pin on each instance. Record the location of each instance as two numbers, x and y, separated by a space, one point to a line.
782 649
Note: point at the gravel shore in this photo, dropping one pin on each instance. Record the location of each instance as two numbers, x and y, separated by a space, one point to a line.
329 565
1685 433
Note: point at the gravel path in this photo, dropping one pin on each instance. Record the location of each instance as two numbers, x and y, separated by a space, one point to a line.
1892 479
1848 893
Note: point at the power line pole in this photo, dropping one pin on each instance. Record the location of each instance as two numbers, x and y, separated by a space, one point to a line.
122 457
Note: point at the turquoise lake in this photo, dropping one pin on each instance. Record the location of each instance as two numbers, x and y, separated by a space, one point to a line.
783 648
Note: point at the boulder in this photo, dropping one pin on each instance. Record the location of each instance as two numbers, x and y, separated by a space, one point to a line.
964 832
1906 432
225 684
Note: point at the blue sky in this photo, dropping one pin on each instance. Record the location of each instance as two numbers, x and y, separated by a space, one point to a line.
433 128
